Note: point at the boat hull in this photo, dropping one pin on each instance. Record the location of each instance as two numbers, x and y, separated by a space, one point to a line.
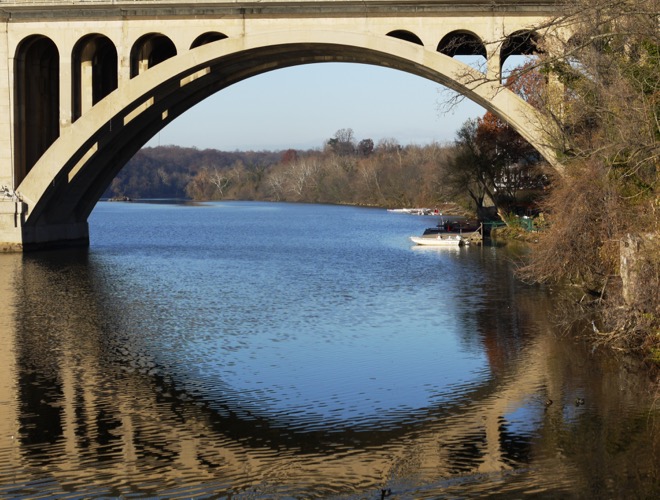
440 241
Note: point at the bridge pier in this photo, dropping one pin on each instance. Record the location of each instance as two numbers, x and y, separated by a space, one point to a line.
56 236
15 236
11 225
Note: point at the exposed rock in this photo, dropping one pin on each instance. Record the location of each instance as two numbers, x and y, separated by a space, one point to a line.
640 271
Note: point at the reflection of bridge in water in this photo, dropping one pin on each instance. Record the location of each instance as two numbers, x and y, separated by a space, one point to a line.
150 434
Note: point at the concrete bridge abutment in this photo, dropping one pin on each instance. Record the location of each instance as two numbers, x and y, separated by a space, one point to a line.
16 236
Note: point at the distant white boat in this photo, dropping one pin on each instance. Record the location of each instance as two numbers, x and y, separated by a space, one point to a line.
441 240
415 211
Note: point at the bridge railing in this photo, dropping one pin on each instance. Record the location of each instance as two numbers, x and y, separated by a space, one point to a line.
462 3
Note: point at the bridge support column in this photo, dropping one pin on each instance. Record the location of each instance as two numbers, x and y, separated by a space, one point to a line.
494 64
15 236
65 92
6 111
11 225
55 235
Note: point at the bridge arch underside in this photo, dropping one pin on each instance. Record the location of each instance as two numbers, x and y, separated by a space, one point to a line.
65 184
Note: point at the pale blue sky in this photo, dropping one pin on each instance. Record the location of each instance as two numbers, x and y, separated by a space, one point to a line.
302 107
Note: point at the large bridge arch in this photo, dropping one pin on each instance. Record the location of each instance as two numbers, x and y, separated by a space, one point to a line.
63 187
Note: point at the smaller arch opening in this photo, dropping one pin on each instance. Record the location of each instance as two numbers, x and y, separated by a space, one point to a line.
461 43
520 43
94 72
203 39
150 50
406 36
36 101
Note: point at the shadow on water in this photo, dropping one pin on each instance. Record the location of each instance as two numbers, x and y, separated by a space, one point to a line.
88 408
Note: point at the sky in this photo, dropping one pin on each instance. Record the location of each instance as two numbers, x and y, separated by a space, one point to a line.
302 107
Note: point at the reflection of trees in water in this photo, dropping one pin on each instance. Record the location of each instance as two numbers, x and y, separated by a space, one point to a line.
82 413
504 311
613 438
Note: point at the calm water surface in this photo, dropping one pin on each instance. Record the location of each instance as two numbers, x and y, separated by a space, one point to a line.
255 350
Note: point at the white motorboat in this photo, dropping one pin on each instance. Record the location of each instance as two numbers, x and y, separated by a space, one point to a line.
440 240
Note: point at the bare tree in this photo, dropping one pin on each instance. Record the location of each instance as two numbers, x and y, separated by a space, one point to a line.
365 147
276 182
220 180
370 183
301 176
343 143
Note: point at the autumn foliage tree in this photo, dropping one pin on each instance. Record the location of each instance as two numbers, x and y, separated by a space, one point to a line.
466 168
514 163
492 162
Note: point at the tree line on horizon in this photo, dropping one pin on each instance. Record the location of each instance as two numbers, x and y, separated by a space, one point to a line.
347 171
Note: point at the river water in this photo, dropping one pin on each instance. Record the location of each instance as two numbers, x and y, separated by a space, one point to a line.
257 350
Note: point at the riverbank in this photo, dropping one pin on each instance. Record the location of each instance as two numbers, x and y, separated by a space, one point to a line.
508 233
622 314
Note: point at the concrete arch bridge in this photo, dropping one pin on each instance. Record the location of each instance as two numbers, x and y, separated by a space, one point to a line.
88 82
